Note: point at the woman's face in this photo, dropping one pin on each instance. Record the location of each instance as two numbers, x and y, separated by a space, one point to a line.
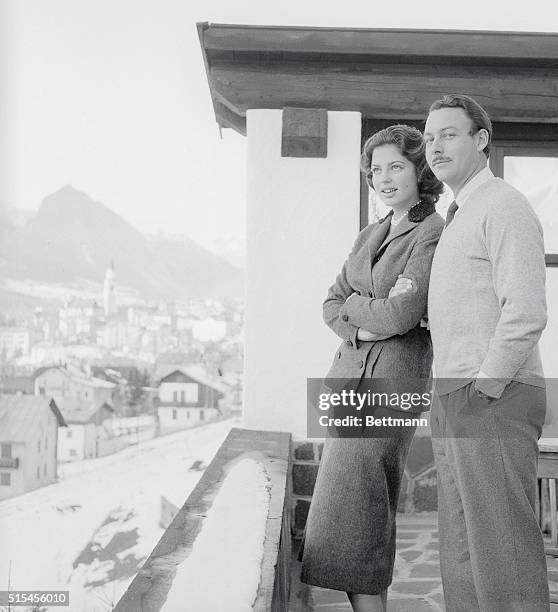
394 177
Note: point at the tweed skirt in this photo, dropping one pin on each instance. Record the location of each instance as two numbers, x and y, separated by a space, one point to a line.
349 539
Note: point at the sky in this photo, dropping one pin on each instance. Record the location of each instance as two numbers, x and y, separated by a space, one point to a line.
111 97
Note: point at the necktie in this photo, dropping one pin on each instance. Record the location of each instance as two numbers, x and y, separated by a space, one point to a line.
451 213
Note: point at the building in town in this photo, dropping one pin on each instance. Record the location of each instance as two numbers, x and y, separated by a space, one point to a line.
14 341
29 428
17 385
187 396
80 439
67 382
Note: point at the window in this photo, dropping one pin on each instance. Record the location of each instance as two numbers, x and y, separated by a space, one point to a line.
191 391
6 451
175 396
39 446
187 414
534 171
536 177
69 433
183 397
5 479
202 416
174 414
44 470
46 442
73 452
38 473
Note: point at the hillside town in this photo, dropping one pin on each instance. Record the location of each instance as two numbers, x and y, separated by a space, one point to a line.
89 377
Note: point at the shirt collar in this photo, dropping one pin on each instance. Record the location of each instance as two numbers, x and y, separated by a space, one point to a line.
472 185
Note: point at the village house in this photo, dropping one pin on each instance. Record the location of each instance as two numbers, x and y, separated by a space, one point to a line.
14 341
28 443
80 440
187 397
79 319
22 385
66 382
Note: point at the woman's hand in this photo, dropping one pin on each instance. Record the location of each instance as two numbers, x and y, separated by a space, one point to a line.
402 285
366 336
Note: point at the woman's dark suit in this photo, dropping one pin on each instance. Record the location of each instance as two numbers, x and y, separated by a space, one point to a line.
349 540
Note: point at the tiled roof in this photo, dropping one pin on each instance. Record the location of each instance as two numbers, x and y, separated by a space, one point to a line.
18 415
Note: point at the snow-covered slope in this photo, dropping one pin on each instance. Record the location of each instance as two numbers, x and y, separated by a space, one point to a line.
90 532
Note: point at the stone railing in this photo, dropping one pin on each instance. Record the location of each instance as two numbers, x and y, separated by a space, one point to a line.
231 539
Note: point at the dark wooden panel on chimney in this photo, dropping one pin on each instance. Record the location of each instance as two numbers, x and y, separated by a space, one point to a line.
304 132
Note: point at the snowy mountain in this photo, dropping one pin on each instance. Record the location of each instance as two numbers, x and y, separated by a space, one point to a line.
74 238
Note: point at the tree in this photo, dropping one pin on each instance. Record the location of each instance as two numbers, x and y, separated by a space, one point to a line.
137 390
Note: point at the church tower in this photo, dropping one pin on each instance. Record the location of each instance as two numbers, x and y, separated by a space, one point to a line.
109 293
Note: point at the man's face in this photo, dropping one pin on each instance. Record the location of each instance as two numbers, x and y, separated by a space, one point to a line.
453 147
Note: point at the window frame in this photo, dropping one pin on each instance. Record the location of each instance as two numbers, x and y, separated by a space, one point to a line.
516 148
9 454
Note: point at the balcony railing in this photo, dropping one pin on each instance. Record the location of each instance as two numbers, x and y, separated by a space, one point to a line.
7 462
162 579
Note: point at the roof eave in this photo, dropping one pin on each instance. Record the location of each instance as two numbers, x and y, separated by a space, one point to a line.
275 66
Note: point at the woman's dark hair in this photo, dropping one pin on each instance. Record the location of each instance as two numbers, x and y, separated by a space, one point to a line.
476 113
411 144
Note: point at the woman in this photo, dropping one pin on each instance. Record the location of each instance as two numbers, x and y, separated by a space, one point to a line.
375 307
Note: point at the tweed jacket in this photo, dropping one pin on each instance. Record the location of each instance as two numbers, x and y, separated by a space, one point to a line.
371 270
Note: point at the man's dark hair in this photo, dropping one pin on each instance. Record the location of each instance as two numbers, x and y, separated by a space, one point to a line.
473 110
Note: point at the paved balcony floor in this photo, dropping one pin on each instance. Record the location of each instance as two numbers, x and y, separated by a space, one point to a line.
417 585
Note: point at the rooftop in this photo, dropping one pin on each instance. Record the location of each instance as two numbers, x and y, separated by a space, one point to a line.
18 415
383 73
77 375
77 411
196 373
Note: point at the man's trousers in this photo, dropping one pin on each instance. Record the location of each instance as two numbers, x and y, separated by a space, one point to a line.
491 549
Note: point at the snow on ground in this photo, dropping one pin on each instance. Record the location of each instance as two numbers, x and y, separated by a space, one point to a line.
90 532
230 545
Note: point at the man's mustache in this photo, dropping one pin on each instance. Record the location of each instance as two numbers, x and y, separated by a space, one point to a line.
437 160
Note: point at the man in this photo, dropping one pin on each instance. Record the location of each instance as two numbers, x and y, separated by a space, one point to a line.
487 311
